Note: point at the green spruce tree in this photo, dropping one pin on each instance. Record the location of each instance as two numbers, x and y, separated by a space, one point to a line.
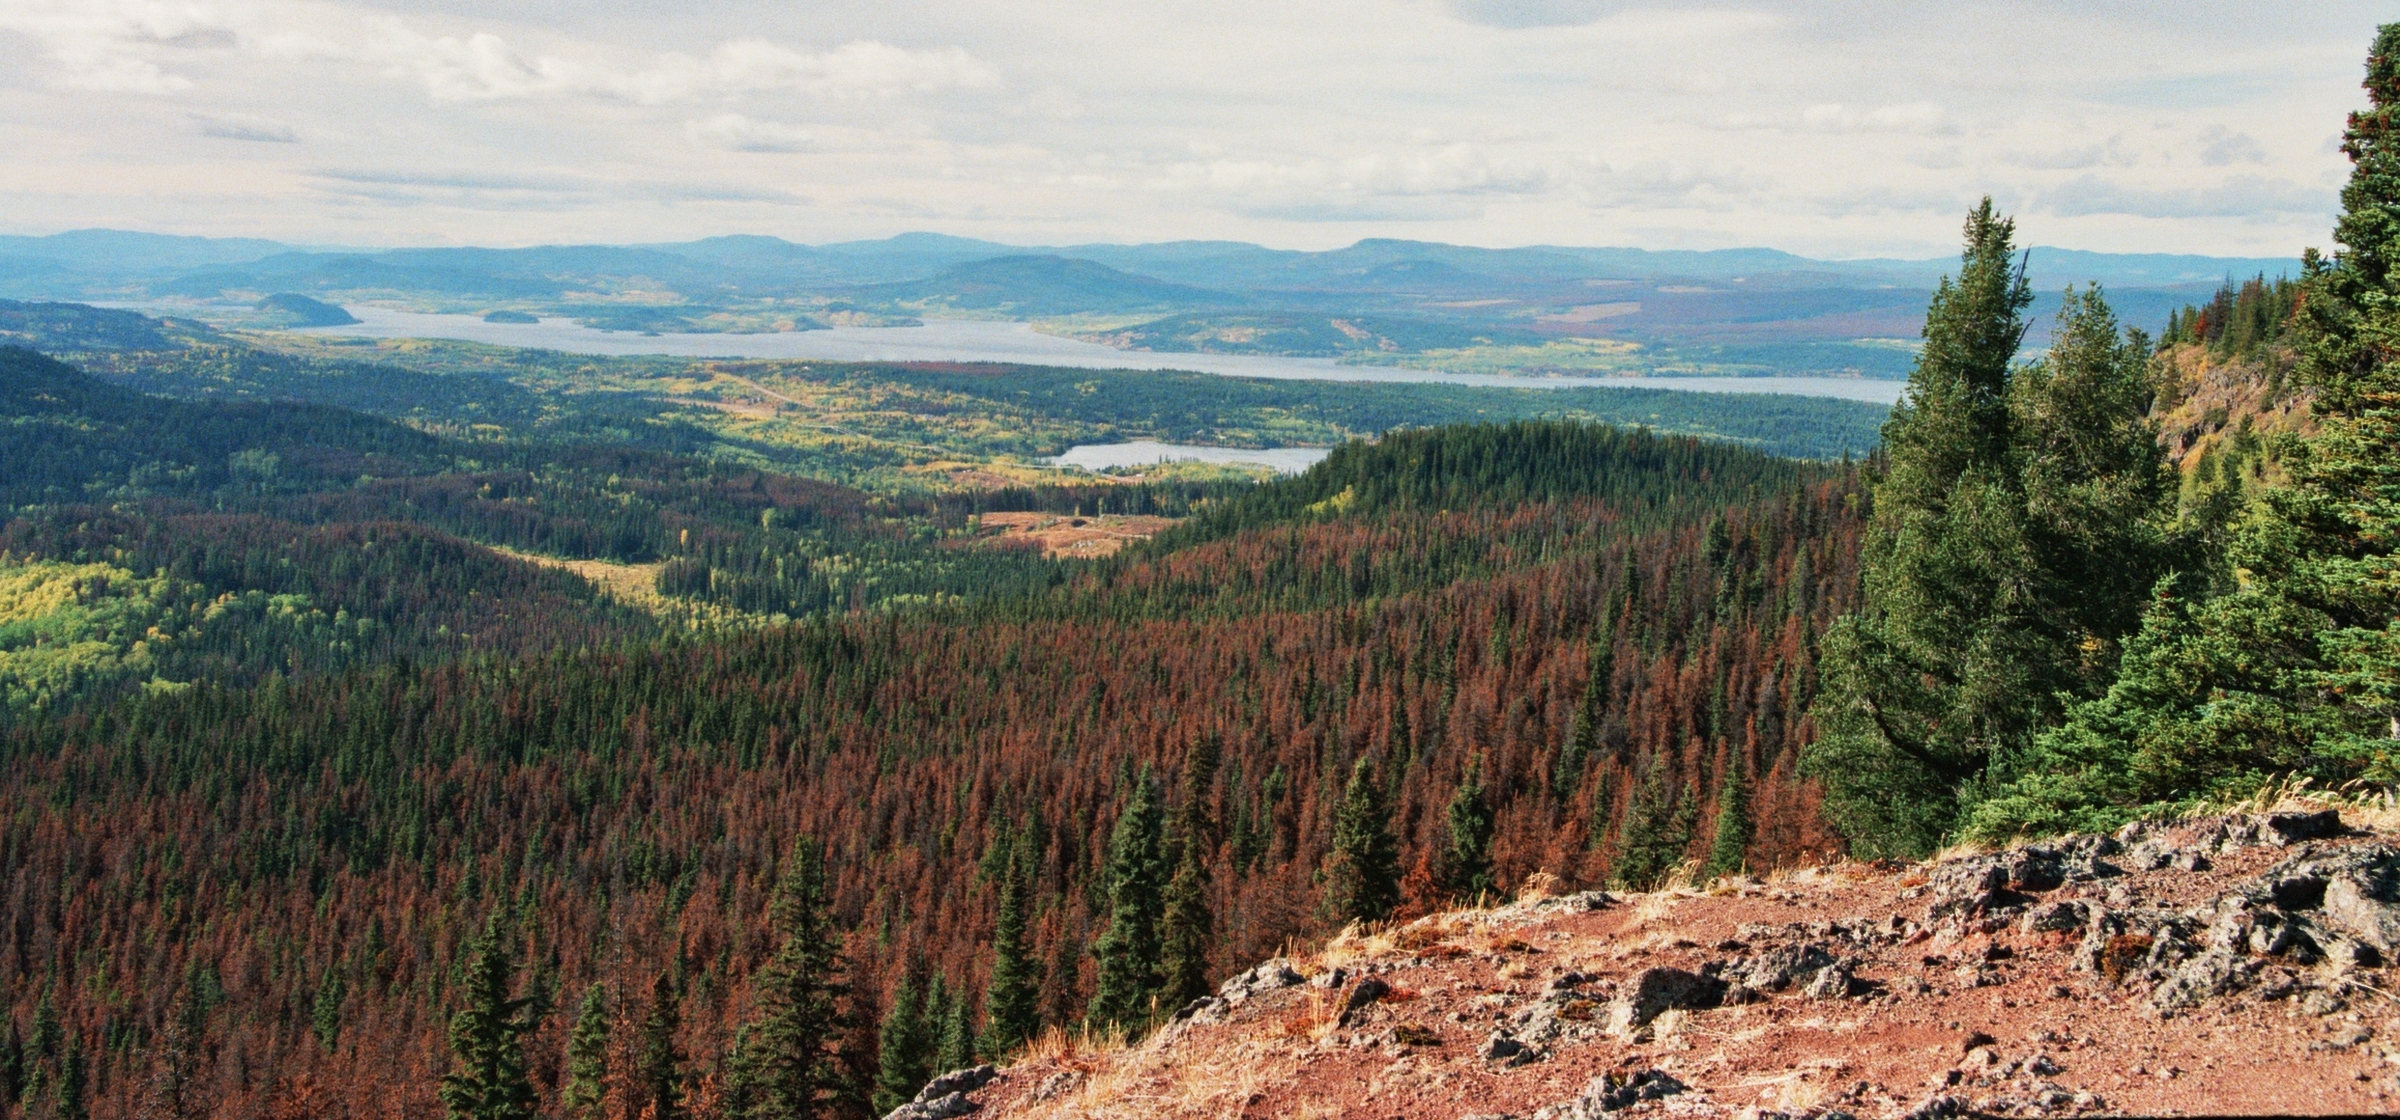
2281 657
587 1057
954 1048
1129 950
658 1074
1647 850
1012 1001
797 1070
904 1048
325 1012
1362 871
1189 932
1466 864
488 1079
1728 851
2017 518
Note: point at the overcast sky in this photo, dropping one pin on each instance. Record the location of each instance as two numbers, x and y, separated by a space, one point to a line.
1833 129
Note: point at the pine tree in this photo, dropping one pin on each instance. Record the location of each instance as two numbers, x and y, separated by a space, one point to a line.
2283 656
798 1070
904 1047
488 1078
1583 739
1362 870
325 1014
1646 847
1129 950
954 1048
70 1094
587 1057
2016 525
1467 848
658 1058
1728 852
1190 926
1011 1007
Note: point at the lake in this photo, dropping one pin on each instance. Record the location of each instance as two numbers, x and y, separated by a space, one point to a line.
976 340
1146 452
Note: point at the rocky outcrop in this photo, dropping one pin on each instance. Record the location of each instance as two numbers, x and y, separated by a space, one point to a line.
2226 964
945 1097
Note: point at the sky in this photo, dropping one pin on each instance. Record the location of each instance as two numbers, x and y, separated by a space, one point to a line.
1841 130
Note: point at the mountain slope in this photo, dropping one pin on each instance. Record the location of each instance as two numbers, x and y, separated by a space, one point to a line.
1841 990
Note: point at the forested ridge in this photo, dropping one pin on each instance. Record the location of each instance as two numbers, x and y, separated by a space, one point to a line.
256 893
318 803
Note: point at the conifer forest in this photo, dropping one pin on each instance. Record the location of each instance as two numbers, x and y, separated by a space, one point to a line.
432 733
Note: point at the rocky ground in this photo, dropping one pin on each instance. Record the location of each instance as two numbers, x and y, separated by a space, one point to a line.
2227 965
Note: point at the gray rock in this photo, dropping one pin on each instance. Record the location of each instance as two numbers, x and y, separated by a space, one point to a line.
957 1081
2062 916
1267 977
2290 827
1777 968
2366 904
939 1108
1832 982
1614 1092
1362 995
1330 978
1502 1047
1655 991
2213 973
1206 1009
1938 1107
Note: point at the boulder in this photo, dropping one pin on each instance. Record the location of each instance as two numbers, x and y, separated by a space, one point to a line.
957 1081
1831 982
1614 1092
1361 995
1655 991
940 1108
1267 977
1778 968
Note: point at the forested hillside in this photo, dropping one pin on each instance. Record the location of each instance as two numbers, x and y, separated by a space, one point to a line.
247 900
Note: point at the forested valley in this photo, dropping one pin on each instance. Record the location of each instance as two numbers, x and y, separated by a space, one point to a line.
364 761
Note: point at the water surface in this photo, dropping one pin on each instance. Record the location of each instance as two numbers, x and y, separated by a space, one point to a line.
1146 452
974 340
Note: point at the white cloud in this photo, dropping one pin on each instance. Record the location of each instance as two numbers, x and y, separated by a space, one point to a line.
1829 126
135 45
737 133
2220 147
236 127
2243 196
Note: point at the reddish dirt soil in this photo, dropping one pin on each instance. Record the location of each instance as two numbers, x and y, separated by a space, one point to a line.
1060 535
1948 1006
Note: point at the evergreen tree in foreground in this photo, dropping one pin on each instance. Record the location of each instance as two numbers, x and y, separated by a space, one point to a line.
1129 951
1728 853
1362 871
2017 522
1190 928
658 1061
487 1080
2292 665
587 1057
1012 1001
1467 849
954 1046
904 1047
794 1069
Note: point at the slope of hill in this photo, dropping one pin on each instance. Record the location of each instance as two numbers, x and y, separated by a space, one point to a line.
344 831
2177 970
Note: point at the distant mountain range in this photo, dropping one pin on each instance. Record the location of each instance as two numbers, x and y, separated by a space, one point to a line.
1730 310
